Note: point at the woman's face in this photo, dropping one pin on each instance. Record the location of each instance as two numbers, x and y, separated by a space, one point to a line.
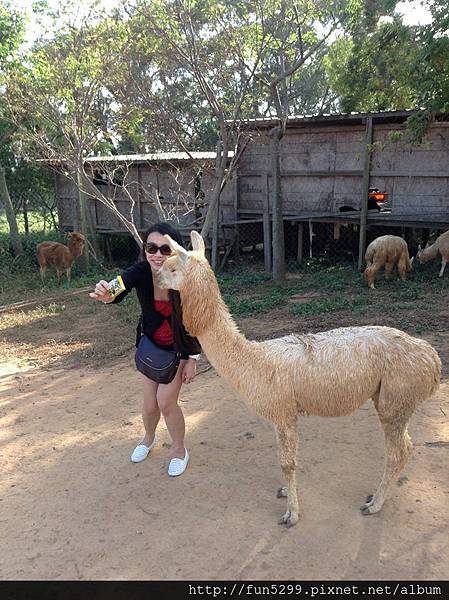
156 259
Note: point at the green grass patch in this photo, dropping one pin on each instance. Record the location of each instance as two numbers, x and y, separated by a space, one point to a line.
327 305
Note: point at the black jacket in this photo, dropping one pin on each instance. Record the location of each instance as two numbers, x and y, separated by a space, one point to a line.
139 276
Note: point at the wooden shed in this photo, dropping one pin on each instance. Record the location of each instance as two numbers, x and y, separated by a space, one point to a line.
181 182
329 163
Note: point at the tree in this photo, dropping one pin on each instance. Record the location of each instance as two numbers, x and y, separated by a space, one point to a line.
430 70
60 103
206 52
298 34
373 72
11 35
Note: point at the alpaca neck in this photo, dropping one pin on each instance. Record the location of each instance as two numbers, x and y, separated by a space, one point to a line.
230 353
75 250
429 252
206 316
222 342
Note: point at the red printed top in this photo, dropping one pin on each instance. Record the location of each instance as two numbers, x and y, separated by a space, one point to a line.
163 336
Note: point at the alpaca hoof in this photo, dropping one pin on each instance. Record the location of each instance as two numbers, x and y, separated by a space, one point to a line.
370 508
289 519
282 492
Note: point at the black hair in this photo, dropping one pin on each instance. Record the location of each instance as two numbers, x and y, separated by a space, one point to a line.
163 229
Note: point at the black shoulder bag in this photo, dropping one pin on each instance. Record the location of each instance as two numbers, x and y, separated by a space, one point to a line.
156 363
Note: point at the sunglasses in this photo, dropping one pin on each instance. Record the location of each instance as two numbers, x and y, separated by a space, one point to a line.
152 248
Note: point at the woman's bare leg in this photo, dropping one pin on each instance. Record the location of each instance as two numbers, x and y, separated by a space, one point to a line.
150 410
167 399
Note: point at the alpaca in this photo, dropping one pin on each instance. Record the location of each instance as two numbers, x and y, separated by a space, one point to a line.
440 246
328 374
59 255
387 250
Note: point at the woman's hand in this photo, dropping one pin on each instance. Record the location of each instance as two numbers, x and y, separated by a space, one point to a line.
101 292
189 371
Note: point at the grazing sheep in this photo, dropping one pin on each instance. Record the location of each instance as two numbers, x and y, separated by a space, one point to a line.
440 246
60 256
387 250
328 374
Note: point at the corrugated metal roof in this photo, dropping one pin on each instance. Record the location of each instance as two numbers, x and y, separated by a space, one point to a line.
332 117
157 157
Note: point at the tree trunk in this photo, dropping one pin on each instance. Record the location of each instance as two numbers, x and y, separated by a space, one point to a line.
26 223
220 168
278 223
83 260
10 215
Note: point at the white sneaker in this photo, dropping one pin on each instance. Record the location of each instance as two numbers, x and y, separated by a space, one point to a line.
177 466
141 451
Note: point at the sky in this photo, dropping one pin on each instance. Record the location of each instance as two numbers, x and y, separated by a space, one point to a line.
412 11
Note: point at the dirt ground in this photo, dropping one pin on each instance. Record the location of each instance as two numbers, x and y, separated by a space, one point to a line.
73 506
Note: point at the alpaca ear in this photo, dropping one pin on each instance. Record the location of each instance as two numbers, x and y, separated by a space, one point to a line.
177 249
197 242
419 248
412 259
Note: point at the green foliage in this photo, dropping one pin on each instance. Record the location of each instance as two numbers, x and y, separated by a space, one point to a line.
373 71
430 70
12 28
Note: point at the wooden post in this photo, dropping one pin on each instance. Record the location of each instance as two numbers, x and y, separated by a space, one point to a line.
267 227
278 243
365 189
311 238
236 217
300 241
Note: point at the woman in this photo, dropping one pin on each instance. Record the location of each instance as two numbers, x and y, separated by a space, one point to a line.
161 321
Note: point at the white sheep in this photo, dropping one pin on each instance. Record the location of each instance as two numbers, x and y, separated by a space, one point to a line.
328 374
387 250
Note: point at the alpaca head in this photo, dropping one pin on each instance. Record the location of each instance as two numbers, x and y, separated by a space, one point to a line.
76 243
420 255
191 274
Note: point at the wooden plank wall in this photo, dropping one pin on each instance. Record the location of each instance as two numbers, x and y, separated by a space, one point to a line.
322 170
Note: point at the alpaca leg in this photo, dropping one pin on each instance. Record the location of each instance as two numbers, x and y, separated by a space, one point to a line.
370 273
42 272
398 448
402 268
388 269
287 438
443 266
67 271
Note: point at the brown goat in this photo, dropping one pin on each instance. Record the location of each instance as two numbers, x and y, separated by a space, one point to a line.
54 254
387 250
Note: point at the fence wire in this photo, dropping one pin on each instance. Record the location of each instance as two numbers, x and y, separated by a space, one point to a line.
336 242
